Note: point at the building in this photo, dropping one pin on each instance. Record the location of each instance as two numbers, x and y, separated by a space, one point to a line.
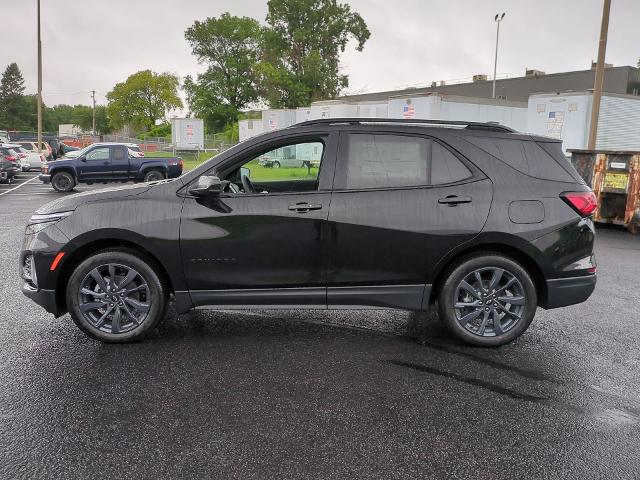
619 80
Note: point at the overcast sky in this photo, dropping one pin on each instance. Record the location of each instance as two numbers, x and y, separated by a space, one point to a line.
93 44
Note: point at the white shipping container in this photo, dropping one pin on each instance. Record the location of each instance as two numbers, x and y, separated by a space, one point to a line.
458 108
249 128
567 116
276 119
333 109
187 133
303 114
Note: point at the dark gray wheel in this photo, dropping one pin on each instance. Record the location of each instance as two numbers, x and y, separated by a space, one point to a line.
116 296
63 182
488 300
153 176
276 164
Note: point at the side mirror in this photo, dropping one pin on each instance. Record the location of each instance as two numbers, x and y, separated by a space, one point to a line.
206 185
82 159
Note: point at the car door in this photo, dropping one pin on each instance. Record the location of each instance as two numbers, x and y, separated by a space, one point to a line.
95 165
262 248
120 168
400 203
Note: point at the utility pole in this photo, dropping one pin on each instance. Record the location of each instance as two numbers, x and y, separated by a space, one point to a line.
498 19
93 98
597 88
39 83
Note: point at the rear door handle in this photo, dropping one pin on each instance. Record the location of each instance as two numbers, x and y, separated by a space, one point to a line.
453 200
303 207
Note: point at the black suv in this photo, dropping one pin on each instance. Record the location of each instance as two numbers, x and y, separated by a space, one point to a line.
485 222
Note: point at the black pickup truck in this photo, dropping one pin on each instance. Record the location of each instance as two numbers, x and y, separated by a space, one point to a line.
108 162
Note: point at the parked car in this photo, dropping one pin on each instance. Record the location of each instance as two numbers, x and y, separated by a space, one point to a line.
65 149
31 160
10 165
32 146
108 162
485 222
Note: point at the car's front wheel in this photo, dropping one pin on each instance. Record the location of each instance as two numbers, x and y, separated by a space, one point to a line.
487 300
63 182
116 296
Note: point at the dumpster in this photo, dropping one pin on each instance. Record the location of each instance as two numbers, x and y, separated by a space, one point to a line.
614 177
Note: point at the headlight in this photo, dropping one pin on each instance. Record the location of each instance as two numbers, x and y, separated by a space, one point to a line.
39 222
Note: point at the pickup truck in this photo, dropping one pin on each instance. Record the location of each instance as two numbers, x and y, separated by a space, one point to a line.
108 162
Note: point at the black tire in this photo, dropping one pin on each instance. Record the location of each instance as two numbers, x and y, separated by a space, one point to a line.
152 295
276 164
153 176
63 182
455 300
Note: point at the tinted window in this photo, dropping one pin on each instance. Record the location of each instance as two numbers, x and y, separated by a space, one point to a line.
525 156
118 153
377 161
28 146
445 166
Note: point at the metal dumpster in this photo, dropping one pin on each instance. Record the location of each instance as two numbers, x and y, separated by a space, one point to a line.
614 177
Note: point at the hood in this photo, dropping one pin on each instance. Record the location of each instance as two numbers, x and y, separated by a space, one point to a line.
71 202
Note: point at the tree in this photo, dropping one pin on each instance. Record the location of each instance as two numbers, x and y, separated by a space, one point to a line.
14 110
302 50
142 99
230 48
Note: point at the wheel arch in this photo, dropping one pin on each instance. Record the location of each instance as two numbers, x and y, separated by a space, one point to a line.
67 169
94 246
502 249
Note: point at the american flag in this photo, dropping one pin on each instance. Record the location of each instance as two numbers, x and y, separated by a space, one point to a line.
408 111
273 124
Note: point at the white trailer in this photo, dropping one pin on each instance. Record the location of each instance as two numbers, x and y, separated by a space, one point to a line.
249 128
333 109
276 119
567 116
453 107
187 133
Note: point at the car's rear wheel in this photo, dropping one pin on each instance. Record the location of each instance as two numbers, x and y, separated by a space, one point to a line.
153 176
116 296
487 300
63 182
276 164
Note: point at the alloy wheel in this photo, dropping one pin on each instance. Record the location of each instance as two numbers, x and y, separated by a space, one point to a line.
114 298
489 301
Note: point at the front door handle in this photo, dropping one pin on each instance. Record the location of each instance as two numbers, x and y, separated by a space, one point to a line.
303 207
453 200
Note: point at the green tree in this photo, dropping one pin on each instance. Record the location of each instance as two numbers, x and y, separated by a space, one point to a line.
302 49
142 99
14 110
229 46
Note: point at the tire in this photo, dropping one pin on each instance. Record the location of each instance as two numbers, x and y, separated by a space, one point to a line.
153 176
276 164
470 312
63 182
122 318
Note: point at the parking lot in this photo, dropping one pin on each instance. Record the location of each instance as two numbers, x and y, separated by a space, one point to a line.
314 394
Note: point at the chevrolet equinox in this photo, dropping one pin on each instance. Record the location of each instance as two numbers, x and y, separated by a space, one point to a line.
482 221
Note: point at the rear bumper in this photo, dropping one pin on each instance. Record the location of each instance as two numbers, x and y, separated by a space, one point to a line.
569 291
45 298
44 178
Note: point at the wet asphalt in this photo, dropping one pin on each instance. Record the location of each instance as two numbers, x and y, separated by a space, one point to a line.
313 394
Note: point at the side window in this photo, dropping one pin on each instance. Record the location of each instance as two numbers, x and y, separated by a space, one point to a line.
291 168
119 154
379 161
445 166
101 153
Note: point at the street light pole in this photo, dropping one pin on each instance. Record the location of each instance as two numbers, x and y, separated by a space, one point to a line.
597 88
39 83
93 99
498 19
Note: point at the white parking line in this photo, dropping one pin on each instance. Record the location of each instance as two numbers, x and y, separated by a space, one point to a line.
15 188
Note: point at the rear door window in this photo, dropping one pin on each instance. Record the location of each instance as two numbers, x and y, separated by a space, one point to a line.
383 161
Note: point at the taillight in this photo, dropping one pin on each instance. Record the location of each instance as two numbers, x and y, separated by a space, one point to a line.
22 155
585 203
42 158
180 162
10 158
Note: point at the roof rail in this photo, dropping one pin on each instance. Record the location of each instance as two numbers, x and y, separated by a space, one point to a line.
492 126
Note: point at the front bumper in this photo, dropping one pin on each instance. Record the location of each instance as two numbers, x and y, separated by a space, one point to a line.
45 298
569 291
44 178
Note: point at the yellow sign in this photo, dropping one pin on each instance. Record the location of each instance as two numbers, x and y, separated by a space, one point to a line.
616 180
